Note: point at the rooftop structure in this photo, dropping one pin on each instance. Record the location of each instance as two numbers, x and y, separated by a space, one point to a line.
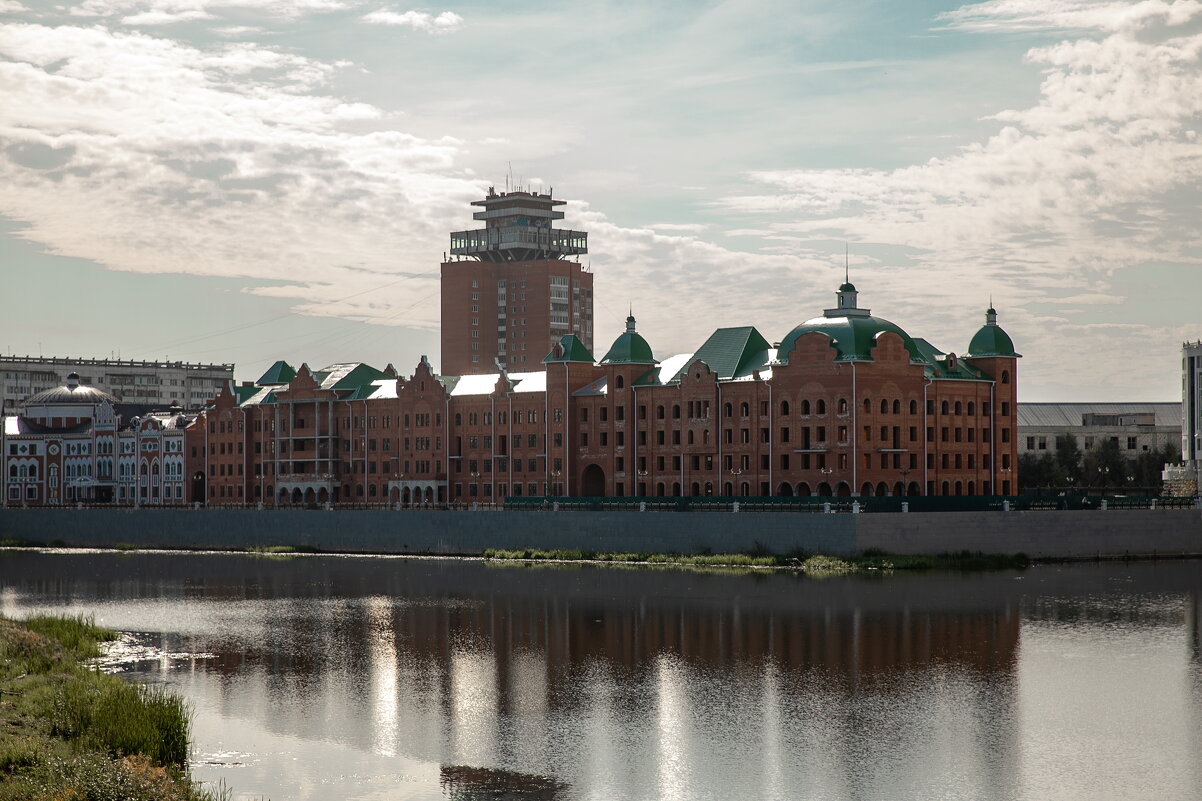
517 227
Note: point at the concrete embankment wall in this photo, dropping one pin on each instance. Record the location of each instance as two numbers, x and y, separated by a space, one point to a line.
1040 534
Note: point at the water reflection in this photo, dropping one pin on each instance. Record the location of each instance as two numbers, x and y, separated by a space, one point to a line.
364 678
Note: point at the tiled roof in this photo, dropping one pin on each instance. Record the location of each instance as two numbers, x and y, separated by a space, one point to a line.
732 353
573 351
279 373
1069 415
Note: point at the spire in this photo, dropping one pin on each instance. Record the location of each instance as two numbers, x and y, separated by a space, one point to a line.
630 322
991 313
846 264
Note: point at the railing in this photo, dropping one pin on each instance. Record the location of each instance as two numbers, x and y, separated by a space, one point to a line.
690 504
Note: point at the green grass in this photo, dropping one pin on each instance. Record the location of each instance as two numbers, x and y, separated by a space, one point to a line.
280 549
71 732
817 565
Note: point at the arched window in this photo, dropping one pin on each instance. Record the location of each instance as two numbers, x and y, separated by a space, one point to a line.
371 490
784 408
690 437
744 409
805 407
821 406
897 407
1005 376
676 411
972 409
884 406
943 408
728 410
867 406
659 412
619 382
913 407
458 419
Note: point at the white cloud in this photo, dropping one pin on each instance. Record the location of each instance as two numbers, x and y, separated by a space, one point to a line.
1101 176
10 7
446 22
162 12
147 155
1028 15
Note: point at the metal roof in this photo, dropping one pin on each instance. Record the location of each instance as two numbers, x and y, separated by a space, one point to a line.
1068 415
485 384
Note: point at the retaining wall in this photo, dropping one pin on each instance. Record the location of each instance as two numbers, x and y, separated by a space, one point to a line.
1040 534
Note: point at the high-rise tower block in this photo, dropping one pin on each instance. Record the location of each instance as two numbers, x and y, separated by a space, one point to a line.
511 292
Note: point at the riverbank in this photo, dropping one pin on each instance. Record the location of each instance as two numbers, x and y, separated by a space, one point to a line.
70 732
815 564
1055 534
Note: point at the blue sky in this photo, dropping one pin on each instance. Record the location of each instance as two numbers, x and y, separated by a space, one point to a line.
247 180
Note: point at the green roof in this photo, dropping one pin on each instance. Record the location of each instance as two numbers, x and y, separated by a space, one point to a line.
573 351
629 348
349 376
279 373
935 364
243 394
732 352
991 340
854 336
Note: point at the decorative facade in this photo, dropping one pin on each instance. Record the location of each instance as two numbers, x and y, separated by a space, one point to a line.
847 405
73 444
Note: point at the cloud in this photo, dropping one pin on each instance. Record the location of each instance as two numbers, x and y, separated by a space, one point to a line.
148 155
11 7
446 22
1031 15
163 12
1101 176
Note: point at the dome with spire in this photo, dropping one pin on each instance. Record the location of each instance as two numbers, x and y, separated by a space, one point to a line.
629 348
853 331
73 393
991 340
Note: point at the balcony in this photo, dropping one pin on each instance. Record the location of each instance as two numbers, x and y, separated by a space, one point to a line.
518 243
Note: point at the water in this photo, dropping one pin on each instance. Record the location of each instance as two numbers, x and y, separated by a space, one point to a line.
385 678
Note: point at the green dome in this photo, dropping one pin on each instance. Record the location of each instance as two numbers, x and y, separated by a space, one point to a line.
854 336
991 340
629 348
848 287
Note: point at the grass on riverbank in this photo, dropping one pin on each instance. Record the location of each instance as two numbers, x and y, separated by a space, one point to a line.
71 732
806 563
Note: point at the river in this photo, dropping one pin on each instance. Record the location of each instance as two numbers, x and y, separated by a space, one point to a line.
323 677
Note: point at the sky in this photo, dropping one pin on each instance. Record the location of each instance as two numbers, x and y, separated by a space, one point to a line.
250 180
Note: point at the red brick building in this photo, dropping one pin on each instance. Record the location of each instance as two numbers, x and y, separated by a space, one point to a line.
847 404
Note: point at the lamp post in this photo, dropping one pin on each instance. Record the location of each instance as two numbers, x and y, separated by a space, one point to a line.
555 474
905 484
642 474
826 477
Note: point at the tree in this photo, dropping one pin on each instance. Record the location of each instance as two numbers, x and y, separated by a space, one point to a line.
1068 458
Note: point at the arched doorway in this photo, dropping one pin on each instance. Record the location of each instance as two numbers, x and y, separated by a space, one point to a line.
696 490
843 490
866 490
728 489
675 489
785 490
592 482
914 490
824 490
323 495
406 497
198 486
882 489
803 490
297 497
659 489
898 489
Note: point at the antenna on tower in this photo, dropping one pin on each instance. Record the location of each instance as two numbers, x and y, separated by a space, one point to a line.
846 265
508 177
